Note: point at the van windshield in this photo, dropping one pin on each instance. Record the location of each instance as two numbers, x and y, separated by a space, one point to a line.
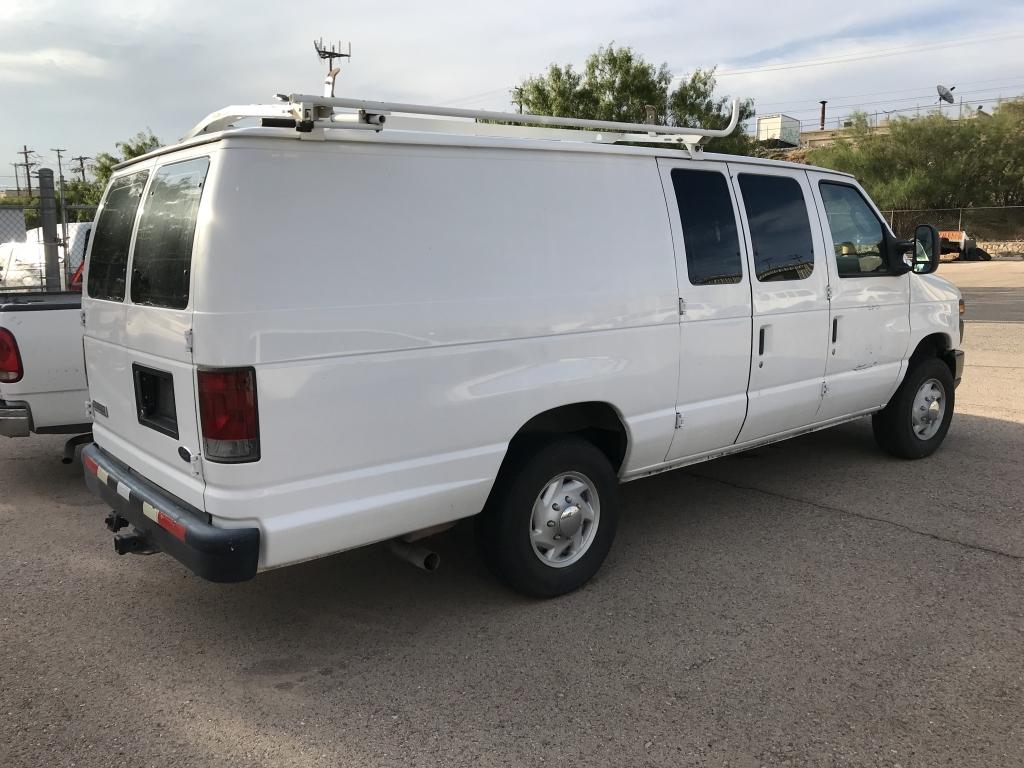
108 262
162 262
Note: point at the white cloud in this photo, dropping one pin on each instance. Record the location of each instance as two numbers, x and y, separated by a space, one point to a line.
49 65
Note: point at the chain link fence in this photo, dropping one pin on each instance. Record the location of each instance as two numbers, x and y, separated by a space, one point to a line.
997 231
22 258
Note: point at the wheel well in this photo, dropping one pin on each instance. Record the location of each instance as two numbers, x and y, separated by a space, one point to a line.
596 422
935 345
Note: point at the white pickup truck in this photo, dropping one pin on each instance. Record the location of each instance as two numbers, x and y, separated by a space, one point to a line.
42 376
484 320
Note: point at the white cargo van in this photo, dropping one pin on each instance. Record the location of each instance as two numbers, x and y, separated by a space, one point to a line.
342 327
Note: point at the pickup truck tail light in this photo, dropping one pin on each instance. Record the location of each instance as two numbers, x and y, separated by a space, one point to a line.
229 415
10 358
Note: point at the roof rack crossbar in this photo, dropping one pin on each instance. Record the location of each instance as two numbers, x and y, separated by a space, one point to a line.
384 107
318 112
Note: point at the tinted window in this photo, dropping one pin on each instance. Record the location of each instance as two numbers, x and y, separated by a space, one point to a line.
779 228
709 227
108 262
856 231
163 247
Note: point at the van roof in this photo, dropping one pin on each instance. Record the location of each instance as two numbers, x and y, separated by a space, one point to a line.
440 139
311 118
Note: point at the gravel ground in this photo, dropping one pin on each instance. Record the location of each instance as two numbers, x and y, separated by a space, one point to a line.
814 603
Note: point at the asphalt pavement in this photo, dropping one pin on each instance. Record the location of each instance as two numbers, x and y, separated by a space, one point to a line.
813 603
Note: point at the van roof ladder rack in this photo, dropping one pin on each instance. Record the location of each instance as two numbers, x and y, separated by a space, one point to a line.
310 115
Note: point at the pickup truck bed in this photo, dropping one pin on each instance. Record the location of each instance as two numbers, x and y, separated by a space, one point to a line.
51 394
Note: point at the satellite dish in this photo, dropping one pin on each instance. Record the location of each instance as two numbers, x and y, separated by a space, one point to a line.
946 94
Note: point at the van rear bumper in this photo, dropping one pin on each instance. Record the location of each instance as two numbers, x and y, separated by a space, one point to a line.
169 525
15 420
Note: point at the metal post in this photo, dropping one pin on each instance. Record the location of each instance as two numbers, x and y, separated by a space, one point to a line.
63 214
48 218
17 178
960 221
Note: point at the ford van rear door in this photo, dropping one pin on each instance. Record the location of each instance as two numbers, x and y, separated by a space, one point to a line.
138 307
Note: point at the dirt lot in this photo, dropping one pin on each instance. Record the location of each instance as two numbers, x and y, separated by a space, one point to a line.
814 603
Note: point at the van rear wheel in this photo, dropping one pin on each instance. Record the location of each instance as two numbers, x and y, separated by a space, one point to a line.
914 423
551 518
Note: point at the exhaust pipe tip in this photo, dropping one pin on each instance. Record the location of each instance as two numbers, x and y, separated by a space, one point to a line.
414 554
431 561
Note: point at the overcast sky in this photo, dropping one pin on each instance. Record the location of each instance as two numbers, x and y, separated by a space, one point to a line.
82 75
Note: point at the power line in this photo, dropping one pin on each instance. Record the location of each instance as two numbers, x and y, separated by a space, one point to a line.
916 108
875 55
494 92
873 93
919 98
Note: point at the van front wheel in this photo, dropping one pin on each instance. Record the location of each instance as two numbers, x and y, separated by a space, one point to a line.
914 423
551 518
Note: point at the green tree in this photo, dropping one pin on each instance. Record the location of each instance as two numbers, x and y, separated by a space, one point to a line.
618 84
615 84
139 144
694 103
935 162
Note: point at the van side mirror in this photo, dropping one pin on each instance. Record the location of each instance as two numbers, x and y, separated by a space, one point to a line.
923 259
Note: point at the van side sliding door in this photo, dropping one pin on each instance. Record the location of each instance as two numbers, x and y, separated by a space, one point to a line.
714 291
789 284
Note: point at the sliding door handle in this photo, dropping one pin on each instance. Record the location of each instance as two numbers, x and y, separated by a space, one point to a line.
835 329
760 342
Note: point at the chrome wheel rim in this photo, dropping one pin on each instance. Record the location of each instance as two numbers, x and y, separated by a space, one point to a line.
565 519
929 409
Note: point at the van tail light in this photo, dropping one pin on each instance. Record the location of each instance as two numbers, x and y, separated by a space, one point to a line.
10 358
229 415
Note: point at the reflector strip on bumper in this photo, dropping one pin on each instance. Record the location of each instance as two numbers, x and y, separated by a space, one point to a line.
169 525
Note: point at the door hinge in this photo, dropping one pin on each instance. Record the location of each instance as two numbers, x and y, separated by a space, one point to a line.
828 292
81 315
682 306
188 340
824 389
679 420
195 465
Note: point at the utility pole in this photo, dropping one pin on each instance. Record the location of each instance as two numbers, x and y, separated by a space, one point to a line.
63 210
81 164
17 178
28 166
48 219
517 98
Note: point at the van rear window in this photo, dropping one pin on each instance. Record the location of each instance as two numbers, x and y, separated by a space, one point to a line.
108 262
163 246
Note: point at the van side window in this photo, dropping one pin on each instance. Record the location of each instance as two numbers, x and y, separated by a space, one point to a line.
108 262
162 262
709 227
856 232
780 230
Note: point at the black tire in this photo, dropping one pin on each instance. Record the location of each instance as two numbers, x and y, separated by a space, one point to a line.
504 527
893 425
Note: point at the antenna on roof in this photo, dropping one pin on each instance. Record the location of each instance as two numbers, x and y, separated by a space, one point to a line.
331 52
